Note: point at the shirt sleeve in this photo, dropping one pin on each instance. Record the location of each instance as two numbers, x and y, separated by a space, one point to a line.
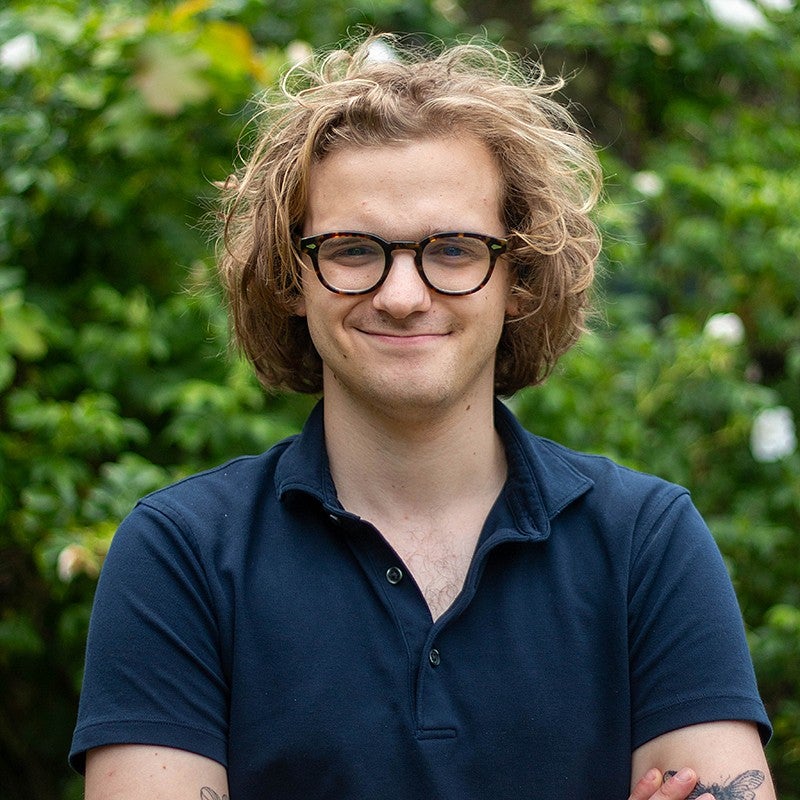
689 660
154 672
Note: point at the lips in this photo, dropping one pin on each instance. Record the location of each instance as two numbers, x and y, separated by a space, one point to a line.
403 335
399 331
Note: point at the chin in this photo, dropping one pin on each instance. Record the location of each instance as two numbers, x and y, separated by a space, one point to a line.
413 403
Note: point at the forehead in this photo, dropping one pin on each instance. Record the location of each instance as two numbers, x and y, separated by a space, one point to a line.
406 190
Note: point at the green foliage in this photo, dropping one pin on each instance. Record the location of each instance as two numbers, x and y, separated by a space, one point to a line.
115 119
701 140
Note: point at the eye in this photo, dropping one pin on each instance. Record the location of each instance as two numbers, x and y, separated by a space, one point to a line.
452 250
350 250
455 250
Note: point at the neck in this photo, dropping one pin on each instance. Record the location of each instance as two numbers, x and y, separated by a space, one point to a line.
404 465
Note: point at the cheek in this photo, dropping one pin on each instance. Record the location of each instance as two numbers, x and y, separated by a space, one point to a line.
322 319
311 290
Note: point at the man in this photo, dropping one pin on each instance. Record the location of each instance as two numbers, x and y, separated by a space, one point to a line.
415 597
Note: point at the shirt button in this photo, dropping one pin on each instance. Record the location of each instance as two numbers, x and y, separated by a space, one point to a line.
434 657
394 575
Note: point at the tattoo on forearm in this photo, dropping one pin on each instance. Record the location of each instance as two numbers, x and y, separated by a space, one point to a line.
207 793
742 787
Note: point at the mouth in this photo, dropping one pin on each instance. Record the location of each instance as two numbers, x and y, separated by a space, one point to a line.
403 337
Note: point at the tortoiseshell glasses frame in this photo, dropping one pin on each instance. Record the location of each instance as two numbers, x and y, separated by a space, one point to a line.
450 263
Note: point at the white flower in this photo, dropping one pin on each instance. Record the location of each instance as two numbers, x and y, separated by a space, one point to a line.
773 436
70 562
380 51
727 328
648 183
297 52
740 14
19 53
660 43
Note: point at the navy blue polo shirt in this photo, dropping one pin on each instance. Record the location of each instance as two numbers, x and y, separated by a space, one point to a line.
244 615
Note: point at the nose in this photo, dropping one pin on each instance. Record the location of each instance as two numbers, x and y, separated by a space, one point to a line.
403 292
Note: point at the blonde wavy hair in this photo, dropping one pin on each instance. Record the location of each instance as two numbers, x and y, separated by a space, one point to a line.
550 181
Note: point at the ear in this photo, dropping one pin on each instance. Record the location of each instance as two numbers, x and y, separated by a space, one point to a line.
512 304
299 306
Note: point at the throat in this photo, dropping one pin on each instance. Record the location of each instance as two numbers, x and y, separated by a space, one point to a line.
427 490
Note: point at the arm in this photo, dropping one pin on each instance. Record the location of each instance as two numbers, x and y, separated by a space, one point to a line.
120 772
690 666
727 758
154 666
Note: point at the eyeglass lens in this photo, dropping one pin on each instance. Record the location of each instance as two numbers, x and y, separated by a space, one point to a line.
450 263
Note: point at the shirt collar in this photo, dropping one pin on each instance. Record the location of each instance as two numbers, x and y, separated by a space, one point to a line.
541 481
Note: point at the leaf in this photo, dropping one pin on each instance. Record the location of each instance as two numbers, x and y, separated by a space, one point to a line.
19 637
7 370
189 8
85 91
21 326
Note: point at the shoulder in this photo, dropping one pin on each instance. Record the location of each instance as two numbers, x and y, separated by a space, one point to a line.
562 489
563 476
605 472
224 498
240 475
614 492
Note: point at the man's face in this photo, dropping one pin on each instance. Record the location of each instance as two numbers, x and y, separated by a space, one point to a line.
403 348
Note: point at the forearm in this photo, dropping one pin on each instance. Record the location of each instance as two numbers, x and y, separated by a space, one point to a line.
726 757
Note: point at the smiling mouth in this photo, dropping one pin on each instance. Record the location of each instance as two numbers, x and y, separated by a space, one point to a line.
401 335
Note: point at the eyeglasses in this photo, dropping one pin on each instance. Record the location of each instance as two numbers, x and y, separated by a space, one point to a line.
448 263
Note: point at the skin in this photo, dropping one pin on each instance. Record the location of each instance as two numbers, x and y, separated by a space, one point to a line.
119 772
717 752
408 383
403 349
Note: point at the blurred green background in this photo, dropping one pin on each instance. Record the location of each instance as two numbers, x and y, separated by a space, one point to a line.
115 119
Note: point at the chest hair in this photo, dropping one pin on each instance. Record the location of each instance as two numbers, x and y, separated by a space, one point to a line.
438 559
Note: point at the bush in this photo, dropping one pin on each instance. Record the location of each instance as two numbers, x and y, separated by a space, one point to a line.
115 119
